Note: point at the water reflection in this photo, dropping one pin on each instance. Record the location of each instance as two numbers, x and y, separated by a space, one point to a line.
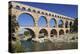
35 46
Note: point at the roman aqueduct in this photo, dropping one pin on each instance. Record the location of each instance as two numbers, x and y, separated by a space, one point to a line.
36 13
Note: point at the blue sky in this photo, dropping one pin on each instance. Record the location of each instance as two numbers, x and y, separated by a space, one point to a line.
42 21
68 10
25 20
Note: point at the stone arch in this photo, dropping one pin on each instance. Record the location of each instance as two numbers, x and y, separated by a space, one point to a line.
53 15
23 8
61 32
43 33
70 24
46 13
53 20
67 31
58 16
13 17
66 24
42 12
31 32
53 33
49 14
18 7
29 9
60 23
27 17
42 21
38 11
34 10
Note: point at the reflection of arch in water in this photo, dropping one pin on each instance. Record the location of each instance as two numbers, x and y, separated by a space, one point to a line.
61 32
53 33
53 22
43 33
42 22
31 32
60 23
26 19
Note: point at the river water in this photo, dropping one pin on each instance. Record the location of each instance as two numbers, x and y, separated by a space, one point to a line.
47 46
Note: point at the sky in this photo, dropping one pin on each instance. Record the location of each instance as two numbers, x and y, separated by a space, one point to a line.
25 20
68 10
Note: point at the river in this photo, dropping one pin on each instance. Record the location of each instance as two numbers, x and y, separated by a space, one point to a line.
31 46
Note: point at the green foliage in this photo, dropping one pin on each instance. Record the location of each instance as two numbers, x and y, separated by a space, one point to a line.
17 47
26 33
74 27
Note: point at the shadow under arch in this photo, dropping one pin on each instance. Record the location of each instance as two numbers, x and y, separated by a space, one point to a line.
53 33
61 32
27 16
43 33
70 24
18 7
31 32
66 24
67 31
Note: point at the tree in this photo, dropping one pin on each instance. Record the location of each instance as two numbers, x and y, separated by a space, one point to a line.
74 27
26 33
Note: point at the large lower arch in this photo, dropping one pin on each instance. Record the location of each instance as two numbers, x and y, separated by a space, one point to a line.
42 22
61 32
60 23
53 33
53 22
43 33
26 19
31 32
26 34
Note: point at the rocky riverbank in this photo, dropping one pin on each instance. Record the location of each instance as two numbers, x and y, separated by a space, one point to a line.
62 38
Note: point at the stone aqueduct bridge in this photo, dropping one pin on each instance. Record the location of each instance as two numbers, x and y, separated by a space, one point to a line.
18 9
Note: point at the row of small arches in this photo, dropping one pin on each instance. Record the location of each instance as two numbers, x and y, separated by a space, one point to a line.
30 10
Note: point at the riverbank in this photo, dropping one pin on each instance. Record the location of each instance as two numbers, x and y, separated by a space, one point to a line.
68 41
62 38
48 45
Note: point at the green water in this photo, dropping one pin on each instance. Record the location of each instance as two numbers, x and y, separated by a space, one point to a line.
46 46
